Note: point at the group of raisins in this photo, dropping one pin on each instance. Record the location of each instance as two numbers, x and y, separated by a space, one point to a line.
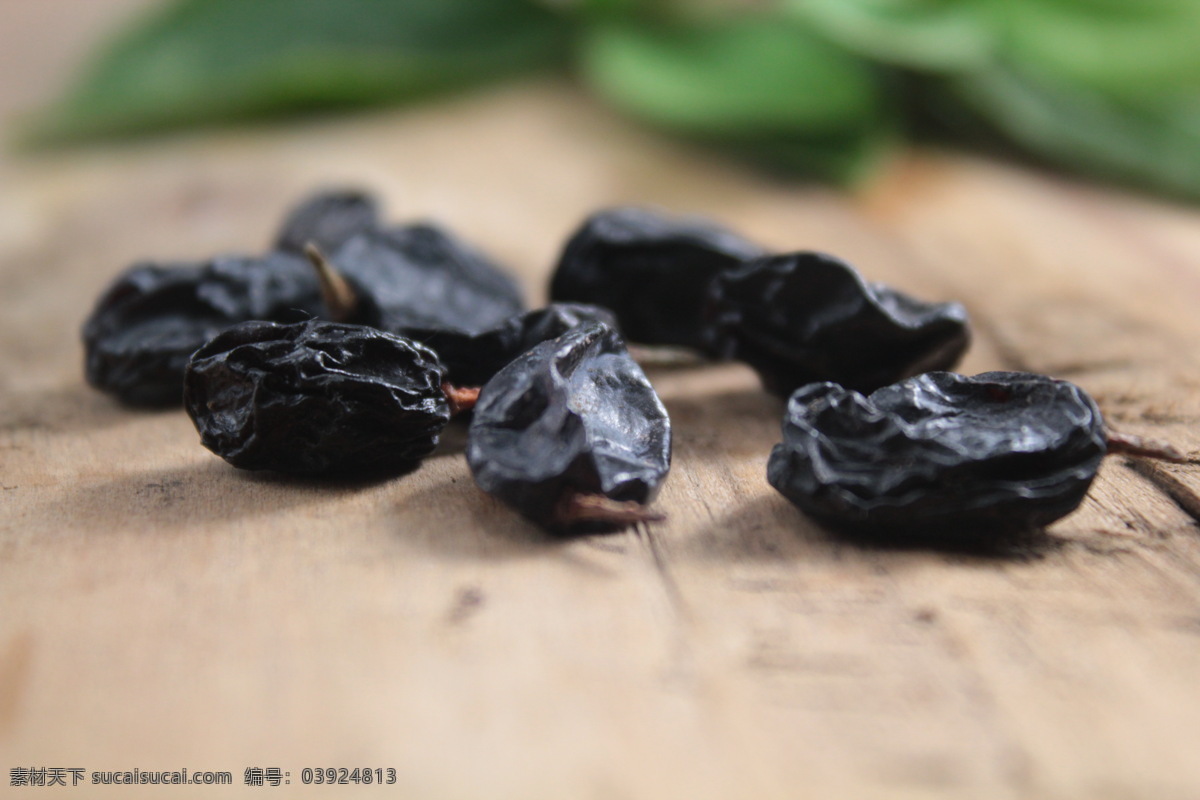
350 345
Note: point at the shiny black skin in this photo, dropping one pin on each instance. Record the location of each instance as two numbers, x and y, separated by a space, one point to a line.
943 457
652 270
327 219
316 398
151 319
472 359
574 415
805 317
422 276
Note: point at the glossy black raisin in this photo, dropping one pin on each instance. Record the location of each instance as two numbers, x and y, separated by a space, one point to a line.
316 398
571 434
422 276
653 271
940 456
806 317
327 219
472 359
151 319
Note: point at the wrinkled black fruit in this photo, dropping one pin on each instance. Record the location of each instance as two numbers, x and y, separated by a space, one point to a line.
940 456
652 271
422 276
327 219
472 359
807 317
316 398
573 417
151 319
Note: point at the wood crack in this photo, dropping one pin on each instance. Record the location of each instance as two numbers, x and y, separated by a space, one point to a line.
1169 484
680 658
649 541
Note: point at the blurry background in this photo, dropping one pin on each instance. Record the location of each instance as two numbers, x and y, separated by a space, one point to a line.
164 610
47 42
831 89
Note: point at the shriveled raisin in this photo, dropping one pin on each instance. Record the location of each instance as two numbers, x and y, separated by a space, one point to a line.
316 398
805 317
652 270
420 276
327 219
940 456
571 434
146 325
472 359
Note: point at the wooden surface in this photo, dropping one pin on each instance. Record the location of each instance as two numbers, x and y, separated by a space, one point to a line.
161 610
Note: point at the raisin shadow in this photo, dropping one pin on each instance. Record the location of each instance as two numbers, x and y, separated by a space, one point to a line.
69 409
735 423
180 497
454 519
762 529
1030 545
453 440
770 528
340 483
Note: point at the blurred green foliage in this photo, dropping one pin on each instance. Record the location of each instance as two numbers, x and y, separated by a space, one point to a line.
771 88
201 61
824 87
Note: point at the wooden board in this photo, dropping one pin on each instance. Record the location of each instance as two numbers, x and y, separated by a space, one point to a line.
161 610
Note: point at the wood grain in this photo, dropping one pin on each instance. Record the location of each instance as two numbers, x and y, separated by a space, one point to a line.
162 610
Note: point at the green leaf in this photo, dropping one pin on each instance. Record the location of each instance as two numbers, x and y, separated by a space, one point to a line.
609 9
761 84
767 88
930 35
200 61
850 158
1153 142
1125 49
752 75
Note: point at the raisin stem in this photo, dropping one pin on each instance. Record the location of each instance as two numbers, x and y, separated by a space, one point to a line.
575 508
1130 445
460 398
341 301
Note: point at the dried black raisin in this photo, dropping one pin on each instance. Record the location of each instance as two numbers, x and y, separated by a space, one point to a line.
316 398
419 276
651 270
940 456
806 317
151 319
571 434
327 219
472 359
